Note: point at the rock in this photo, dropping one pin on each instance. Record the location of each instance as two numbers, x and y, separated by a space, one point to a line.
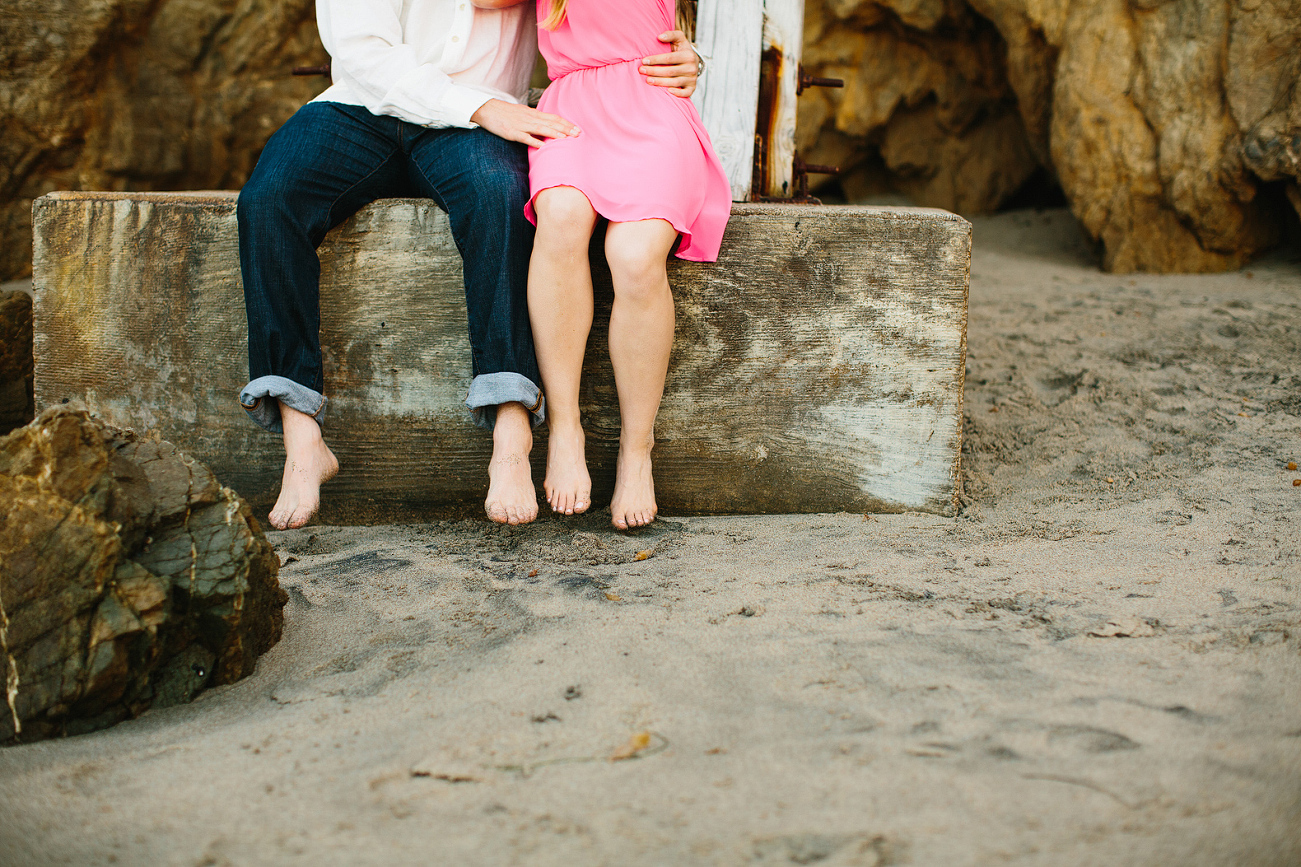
1174 129
129 578
134 95
1263 85
16 401
926 108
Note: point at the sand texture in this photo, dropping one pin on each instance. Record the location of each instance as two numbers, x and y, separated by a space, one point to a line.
1097 662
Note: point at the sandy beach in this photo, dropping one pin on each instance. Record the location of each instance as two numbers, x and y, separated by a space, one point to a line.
1097 662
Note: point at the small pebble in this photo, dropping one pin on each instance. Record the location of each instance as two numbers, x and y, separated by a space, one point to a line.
1296 483
1291 465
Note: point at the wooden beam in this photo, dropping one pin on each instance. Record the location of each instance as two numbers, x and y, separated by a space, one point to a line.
729 33
817 367
783 46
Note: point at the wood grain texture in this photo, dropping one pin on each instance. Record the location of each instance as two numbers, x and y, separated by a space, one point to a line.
818 366
730 34
783 30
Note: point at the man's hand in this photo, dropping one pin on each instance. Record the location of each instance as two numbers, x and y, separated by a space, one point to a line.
521 123
677 70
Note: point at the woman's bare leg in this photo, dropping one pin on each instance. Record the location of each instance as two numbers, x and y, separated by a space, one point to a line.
309 463
560 309
641 337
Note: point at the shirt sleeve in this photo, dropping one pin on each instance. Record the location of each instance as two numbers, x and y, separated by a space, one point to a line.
367 53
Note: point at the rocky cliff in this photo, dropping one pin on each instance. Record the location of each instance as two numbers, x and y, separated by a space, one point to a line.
141 95
1173 128
17 404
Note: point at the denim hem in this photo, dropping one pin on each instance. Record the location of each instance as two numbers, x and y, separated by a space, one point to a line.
262 397
490 390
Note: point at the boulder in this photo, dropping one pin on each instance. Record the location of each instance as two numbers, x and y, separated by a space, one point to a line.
129 578
1174 129
133 95
16 403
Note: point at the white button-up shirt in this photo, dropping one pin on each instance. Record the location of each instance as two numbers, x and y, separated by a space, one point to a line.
430 62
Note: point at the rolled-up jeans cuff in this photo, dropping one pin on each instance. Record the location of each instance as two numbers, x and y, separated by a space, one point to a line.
490 390
262 397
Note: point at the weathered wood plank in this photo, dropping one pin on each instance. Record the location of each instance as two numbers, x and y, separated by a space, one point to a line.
818 365
729 33
783 40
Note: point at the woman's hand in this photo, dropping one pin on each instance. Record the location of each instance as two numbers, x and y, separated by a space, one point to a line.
521 123
677 70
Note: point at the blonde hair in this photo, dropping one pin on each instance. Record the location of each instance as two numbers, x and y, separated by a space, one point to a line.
686 16
555 15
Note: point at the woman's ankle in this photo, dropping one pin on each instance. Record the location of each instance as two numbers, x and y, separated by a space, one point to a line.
636 447
565 427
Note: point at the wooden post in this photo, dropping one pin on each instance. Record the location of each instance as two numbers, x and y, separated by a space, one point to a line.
783 41
729 34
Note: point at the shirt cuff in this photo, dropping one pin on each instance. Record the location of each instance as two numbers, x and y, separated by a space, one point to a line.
458 104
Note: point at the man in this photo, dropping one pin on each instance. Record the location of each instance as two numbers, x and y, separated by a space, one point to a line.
427 100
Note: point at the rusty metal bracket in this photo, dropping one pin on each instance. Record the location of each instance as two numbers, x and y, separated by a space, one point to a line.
806 81
802 195
802 170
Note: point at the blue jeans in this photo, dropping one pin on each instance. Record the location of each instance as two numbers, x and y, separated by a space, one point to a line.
322 166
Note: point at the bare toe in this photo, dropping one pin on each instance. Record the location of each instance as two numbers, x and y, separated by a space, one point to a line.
633 504
567 476
511 499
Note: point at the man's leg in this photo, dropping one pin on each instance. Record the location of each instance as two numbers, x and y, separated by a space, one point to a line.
482 182
325 162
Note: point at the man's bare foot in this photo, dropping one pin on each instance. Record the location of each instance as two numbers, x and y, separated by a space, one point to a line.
634 490
309 463
512 499
568 485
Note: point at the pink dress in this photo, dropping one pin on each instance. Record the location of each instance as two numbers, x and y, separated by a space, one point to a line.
643 152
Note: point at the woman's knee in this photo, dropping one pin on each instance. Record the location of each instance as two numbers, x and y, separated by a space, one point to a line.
637 270
564 215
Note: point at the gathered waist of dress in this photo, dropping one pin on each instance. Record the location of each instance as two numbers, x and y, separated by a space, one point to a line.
601 65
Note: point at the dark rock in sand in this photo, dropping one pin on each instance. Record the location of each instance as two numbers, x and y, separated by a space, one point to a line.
129 578
16 406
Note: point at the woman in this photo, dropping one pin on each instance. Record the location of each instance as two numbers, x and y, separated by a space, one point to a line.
644 162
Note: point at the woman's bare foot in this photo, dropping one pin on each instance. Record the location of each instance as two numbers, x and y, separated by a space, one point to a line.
634 490
568 485
512 499
309 463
